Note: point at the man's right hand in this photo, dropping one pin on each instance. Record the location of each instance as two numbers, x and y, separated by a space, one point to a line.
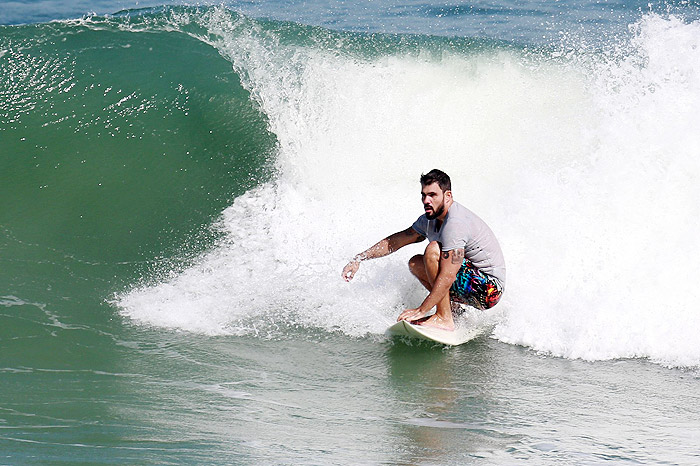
383 248
350 270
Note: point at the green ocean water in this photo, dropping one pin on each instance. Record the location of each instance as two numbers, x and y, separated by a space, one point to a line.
181 188
160 398
119 150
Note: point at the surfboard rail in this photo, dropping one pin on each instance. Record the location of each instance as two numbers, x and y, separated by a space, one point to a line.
458 336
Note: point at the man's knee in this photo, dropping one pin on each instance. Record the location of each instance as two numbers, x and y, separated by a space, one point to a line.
432 252
416 264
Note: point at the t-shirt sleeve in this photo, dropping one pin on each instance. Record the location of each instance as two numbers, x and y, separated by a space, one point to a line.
421 226
453 235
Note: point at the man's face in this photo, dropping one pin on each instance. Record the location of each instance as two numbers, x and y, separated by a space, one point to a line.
433 200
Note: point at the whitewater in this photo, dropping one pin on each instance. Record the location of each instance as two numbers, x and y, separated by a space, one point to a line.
583 161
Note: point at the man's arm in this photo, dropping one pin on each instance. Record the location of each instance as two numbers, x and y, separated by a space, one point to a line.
382 248
450 263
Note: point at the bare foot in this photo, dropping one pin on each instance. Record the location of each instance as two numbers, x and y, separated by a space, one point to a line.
435 322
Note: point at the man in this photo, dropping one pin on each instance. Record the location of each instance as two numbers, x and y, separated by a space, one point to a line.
463 262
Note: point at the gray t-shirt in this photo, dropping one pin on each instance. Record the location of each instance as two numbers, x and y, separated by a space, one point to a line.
462 228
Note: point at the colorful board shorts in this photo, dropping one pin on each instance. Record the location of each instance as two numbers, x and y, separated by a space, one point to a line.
474 288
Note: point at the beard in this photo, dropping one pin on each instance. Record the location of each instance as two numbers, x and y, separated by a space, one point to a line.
436 213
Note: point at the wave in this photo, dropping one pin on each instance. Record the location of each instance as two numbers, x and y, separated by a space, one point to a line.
584 163
114 137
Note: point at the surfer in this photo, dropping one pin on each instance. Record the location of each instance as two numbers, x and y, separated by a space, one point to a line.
462 264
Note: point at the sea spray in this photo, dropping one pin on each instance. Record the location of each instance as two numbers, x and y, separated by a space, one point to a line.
622 258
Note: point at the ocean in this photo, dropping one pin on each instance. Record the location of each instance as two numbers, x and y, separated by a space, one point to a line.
182 185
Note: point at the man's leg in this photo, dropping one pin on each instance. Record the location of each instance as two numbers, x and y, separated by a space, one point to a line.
426 273
417 267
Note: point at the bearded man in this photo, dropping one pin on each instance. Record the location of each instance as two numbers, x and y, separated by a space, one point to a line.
462 264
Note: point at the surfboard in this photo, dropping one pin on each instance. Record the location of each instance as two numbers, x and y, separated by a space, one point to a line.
456 337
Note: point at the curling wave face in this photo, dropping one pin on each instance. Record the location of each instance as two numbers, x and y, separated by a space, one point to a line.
583 162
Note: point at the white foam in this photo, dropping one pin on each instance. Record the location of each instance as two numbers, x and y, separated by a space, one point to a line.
586 172
617 247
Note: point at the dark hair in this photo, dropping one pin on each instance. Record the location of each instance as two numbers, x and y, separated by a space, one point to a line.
437 176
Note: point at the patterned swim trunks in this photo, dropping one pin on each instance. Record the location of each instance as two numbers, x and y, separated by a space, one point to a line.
474 288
